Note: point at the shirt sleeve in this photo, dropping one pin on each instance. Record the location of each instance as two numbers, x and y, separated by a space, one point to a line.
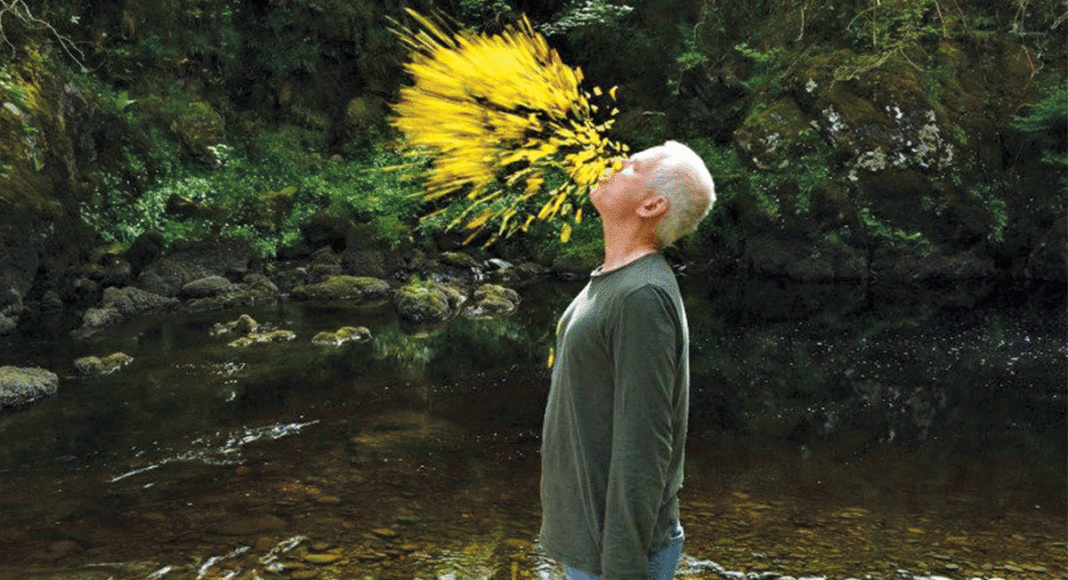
645 352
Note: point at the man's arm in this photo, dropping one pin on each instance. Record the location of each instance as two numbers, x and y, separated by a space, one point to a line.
645 349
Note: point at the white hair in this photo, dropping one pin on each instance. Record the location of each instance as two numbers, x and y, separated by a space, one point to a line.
683 179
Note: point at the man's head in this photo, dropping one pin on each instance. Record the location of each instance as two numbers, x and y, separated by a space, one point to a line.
667 184
680 176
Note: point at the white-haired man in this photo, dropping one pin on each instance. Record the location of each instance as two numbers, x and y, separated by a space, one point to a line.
615 421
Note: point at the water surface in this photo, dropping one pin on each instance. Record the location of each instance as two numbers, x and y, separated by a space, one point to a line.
840 441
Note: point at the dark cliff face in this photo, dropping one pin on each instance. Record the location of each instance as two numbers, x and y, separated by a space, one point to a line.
54 135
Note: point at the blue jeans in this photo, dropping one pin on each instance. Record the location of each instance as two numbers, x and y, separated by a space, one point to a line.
661 565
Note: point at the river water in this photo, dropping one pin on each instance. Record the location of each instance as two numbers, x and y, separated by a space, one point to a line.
829 438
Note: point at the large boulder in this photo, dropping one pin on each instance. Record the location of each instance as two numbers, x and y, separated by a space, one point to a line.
207 287
21 386
120 303
191 261
860 164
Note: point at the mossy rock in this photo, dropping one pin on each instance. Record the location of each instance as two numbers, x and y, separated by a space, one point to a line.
423 303
342 335
492 300
268 209
96 366
244 325
199 127
355 288
774 137
20 386
366 112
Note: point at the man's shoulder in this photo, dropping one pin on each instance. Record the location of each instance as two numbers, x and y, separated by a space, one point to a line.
653 271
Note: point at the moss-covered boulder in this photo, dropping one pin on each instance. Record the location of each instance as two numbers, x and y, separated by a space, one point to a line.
244 325
352 288
492 300
199 127
21 386
427 302
868 158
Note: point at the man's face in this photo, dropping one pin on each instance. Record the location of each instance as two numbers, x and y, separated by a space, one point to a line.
621 192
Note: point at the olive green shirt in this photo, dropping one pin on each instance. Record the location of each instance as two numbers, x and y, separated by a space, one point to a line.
615 422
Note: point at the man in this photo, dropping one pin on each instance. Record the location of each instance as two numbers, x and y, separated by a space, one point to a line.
615 422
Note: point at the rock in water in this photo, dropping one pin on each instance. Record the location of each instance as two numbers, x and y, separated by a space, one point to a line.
21 386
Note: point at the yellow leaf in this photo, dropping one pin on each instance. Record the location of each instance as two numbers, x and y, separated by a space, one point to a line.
492 112
565 233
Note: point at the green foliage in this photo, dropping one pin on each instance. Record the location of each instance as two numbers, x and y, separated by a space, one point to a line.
1047 123
263 200
585 14
768 67
890 24
481 13
987 195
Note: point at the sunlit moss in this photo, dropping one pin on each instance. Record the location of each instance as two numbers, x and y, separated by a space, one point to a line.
498 114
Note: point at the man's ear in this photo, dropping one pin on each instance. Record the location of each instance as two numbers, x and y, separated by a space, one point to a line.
653 207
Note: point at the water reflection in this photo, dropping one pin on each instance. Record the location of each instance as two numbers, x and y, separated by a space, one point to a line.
835 440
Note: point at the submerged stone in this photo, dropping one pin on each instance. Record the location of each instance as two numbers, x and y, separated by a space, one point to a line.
321 559
342 335
92 366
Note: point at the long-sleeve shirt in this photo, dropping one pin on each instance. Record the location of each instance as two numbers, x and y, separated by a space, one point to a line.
615 422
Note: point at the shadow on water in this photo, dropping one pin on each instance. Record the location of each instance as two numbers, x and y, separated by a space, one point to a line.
828 438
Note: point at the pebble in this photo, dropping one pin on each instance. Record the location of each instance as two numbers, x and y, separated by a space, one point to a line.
321 559
305 575
384 533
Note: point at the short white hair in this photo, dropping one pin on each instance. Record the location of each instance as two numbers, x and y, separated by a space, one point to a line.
683 179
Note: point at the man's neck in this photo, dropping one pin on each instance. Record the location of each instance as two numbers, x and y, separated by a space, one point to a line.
624 247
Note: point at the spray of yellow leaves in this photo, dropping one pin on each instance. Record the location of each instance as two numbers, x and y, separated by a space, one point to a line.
497 114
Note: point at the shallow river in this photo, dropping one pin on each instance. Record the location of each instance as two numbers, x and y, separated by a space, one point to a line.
825 441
